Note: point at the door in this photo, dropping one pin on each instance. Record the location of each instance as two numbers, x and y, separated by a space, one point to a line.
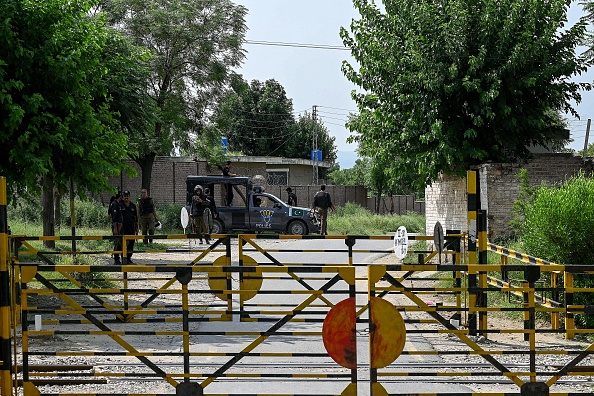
267 213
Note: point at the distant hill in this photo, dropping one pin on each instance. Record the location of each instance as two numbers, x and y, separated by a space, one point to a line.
346 159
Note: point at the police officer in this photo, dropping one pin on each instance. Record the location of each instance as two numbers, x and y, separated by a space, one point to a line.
199 203
129 223
115 214
292 200
229 188
147 213
323 201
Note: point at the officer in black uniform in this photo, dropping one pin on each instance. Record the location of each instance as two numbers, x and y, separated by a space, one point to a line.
199 203
292 200
115 214
129 224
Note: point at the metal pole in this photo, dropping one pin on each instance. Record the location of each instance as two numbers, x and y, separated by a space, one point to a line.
314 117
586 140
72 216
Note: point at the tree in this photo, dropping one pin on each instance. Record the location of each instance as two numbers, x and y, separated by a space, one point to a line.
194 46
355 176
452 83
58 124
258 120
256 117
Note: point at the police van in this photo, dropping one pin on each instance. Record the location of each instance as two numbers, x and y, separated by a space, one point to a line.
251 208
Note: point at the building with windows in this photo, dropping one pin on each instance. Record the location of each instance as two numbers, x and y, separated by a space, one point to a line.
168 183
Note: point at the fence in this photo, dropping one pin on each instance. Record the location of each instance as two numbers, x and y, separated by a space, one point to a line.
279 315
396 204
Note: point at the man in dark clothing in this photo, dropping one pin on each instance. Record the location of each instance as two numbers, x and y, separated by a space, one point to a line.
322 202
227 172
199 203
147 214
211 200
292 200
115 214
129 223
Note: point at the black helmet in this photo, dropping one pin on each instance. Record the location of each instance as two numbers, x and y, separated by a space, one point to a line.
198 187
207 191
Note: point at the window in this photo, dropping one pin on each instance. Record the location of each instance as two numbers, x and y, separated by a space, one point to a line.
278 177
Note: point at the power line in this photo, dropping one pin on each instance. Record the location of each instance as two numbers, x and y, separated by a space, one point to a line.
297 45
336 108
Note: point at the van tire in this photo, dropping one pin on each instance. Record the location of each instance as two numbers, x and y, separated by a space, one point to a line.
297 227
217 227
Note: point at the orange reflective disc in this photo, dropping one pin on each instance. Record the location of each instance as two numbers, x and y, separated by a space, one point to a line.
339 333
388 333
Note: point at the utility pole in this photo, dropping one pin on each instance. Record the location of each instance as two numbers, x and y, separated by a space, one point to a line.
586 140
314 117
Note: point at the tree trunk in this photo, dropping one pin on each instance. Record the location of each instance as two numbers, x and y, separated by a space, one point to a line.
48 211
379 200
146 167
57 209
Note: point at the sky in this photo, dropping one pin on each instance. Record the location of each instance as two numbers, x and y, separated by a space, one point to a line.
313 76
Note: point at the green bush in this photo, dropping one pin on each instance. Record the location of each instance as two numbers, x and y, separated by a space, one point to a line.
25 210
89 214
558 222
169 216
557 225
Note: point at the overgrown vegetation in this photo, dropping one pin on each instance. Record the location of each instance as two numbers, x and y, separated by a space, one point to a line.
353 219
24 217
556 224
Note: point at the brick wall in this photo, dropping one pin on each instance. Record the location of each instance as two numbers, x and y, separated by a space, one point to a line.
446 200
502 184
168 183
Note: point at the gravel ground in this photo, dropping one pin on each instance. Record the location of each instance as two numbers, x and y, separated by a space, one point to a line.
126 364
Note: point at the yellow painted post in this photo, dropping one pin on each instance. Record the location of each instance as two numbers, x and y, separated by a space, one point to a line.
472 206
5 339
532 334
554 297
569 321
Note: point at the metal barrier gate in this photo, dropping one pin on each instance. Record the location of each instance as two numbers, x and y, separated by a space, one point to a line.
340 325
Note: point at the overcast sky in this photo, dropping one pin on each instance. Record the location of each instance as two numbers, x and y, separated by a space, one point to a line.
312 76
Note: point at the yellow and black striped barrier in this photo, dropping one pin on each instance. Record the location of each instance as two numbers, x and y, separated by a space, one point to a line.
386 281
179 308
5 303
258 306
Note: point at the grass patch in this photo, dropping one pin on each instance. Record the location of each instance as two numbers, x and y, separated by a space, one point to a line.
89 280
353 219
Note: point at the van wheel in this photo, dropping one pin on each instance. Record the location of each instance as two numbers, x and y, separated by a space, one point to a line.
217 227
297 227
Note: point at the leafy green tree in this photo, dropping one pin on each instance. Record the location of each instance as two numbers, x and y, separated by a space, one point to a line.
256 117
258 120
355 176
452 83
57 120
195 46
